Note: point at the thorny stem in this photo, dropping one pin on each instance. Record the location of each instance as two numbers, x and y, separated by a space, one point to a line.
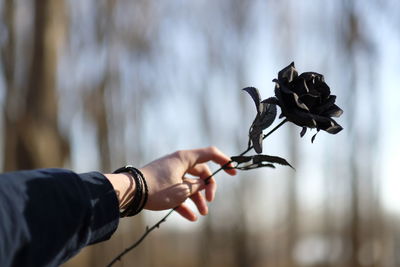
134 245
157 225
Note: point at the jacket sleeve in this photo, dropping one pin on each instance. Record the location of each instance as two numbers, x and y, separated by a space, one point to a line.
48 215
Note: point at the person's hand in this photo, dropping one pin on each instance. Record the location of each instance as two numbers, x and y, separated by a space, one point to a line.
169 185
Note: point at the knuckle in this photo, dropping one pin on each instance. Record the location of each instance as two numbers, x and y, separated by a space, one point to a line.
182 156
213 149
179 154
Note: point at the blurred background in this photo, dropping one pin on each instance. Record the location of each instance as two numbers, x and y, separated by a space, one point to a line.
95 84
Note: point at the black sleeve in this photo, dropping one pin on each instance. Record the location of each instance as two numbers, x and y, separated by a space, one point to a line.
48 215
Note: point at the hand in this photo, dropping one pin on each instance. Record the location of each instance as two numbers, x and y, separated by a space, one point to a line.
169 186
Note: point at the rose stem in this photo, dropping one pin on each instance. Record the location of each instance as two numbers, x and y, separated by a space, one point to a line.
206 180
157 225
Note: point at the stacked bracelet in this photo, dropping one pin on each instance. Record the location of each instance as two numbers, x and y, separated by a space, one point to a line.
140 197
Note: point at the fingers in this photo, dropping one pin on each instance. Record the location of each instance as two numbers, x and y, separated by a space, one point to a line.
186 212
203 171
211 189
200 203
193 162
210 153
194 187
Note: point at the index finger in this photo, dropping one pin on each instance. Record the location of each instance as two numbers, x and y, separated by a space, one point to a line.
210 154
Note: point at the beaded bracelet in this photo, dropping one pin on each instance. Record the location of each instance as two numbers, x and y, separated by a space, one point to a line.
141 195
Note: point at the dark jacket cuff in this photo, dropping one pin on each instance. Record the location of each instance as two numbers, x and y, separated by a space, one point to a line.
105 206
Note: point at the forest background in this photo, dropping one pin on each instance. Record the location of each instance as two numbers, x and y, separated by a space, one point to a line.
95 84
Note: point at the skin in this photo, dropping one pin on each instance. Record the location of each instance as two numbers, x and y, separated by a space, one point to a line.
169 184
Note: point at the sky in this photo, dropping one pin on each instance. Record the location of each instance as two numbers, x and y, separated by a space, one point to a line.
390 135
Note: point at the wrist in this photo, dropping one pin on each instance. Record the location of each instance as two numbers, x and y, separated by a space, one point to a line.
138 200
124 187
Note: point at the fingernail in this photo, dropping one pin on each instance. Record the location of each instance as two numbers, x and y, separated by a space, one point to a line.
205 212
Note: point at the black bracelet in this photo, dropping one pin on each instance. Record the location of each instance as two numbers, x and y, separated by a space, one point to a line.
141 195
145 189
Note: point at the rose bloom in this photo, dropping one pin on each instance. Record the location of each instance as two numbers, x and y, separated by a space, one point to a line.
306 100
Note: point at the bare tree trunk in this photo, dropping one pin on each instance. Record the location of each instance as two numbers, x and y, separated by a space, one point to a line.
362 215
351 35
32 136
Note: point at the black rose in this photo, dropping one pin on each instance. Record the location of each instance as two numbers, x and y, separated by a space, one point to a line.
306 100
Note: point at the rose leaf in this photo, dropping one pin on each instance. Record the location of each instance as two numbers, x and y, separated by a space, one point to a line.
271 159
256 138
255 166
253 92
258 161
241 159
268 114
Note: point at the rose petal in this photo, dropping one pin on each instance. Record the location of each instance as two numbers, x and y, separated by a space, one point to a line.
285 100
309 75
322 122
299 86
289 98
319 110
282 87
333 111
299 103
324 89
301 118
327 124
309 100
315 84
334 129
288 73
